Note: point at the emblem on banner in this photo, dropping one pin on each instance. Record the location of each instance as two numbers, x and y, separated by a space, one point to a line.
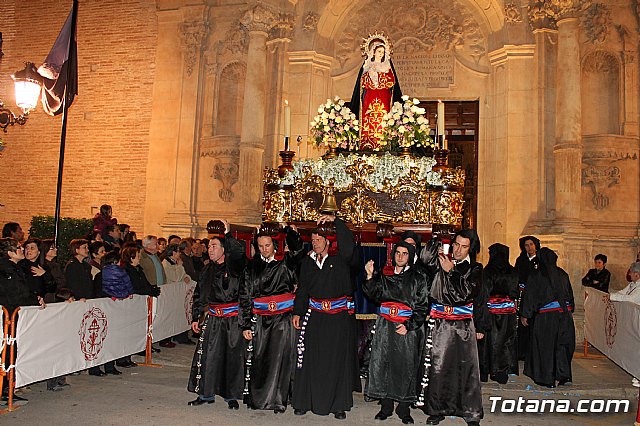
93 332
393 311
326 305
448 310
610 323
272 306
219 312
188 305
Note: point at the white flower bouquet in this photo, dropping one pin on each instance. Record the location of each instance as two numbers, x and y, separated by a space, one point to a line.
405 126
335 126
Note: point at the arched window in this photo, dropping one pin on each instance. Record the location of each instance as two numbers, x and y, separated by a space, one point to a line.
600 94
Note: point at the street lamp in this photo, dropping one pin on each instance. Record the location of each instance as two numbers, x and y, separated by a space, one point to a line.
28 84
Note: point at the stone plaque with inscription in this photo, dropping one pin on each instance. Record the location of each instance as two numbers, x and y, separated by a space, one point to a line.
418 71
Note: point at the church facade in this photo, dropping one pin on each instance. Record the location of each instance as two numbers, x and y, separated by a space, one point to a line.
202 110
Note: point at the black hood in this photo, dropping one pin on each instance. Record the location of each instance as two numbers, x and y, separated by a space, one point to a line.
409 247
522 240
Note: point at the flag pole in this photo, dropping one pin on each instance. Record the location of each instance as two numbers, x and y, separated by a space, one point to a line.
63 135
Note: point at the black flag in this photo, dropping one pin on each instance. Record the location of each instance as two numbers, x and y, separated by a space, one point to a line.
60 69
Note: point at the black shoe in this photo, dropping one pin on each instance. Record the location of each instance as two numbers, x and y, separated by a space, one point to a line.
484 378
98 373
123 364
299 412
368 399
233 405
199 401
114 372
564 382
381 416
434 420
407 420
278 410
340 415
473 423
501 378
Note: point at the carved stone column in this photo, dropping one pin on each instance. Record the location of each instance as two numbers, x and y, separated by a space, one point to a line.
258 21
568 148
542 21
278 45
175 121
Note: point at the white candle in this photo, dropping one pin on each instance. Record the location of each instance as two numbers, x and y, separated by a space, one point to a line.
287 119
440 118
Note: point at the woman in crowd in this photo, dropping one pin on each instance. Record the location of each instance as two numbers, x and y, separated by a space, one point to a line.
97 251
39 279
103 219
48 254
78 271
162 247
172 265
131 262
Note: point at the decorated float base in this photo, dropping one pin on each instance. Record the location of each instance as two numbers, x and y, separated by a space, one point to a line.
366 189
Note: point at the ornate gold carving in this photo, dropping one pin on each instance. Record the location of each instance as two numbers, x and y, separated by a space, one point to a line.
192 36
512 13
410 200
596 21
447 207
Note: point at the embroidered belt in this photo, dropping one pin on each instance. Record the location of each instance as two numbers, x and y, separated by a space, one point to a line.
554 307
332 306
224 310
501 305
452 312
273 305
395 312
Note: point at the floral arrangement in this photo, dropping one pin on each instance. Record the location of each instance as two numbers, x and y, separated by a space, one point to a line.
405 126
386 167
335 126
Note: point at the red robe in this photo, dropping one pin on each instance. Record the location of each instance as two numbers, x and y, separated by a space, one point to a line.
376 102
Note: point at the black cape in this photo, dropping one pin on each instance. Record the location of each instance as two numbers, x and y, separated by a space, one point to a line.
553 337
395 359
219 360
498 349
270 374
525 268
452 378
329 363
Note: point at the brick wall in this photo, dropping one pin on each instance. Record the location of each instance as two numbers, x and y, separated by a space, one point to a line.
108 125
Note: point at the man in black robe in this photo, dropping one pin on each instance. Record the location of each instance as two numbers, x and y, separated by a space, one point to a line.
327 363
219 361
599 276
396 349
549 300
266 303
495 317
526 264
451 383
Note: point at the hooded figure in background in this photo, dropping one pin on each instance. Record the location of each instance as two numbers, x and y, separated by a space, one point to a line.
495 316
548 299
526 264
396 349
451 383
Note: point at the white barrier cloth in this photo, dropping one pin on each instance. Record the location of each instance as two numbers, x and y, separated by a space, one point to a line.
613 328
172 310
68 337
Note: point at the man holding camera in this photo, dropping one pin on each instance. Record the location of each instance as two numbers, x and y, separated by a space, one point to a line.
451 383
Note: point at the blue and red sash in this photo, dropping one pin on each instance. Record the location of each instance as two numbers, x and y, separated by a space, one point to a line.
224 310
332 306
501 305
395 312
451 312
273 305
554 307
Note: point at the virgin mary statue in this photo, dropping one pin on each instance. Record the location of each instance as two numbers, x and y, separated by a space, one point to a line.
375 91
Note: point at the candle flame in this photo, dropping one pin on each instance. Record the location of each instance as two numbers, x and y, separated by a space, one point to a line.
286 102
